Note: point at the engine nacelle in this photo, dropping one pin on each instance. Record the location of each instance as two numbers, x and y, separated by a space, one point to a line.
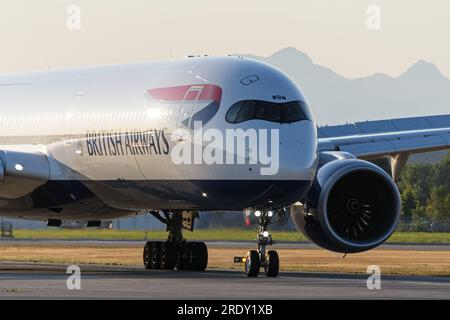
353 205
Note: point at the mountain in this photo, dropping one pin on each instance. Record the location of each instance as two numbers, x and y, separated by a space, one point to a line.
420 90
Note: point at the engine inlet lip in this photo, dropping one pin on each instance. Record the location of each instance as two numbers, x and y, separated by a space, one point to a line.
357 166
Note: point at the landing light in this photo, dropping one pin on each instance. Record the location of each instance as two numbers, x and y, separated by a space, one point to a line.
265 234
204 195
257 213
270 214
18 167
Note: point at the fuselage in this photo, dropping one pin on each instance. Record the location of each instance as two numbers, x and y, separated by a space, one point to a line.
113 136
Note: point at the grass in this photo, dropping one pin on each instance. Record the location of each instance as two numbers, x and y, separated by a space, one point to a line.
405 262
208 234
101 234
11 290
421 237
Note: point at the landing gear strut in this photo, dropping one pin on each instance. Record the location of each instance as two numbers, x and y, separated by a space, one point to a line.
260 258
176 252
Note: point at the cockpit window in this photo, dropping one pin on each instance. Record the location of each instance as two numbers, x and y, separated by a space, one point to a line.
245 112
275 112
294 112
268 111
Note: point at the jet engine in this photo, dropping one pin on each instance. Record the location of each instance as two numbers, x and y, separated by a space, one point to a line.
353 205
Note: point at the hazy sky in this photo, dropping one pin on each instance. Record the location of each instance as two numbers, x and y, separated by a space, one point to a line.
333 33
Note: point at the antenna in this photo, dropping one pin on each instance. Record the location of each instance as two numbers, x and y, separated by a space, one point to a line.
171 56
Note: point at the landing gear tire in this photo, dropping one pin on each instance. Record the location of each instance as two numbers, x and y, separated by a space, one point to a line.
199 256
272 265
147 255
152 255
168 256
252 263
185 258
176 252
261 258
194 256
155 256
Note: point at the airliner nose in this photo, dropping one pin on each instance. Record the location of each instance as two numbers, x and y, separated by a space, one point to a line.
282 146
297 160
298 151
288 176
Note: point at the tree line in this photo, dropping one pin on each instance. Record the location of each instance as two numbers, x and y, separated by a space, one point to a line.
425 191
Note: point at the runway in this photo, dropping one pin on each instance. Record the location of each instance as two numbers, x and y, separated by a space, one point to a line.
48 281
212 244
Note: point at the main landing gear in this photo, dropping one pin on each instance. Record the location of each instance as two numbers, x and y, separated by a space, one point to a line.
260 258
176 252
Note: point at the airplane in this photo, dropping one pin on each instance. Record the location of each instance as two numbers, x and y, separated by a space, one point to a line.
99 143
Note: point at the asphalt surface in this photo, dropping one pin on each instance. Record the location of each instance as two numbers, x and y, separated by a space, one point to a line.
48 281
212 244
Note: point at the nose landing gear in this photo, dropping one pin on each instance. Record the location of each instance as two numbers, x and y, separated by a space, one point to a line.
257 259
176 252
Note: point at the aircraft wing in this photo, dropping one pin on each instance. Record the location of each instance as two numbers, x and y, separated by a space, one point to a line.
396 138
375 139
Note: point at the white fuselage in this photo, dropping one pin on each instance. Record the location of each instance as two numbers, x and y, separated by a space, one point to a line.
110 130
